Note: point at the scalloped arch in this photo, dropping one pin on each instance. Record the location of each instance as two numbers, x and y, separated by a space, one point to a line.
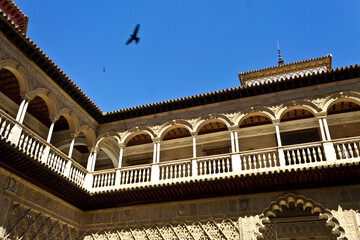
135 131
298 104
102 138
253 111
211 117
173 124
304 203
340 96
20 73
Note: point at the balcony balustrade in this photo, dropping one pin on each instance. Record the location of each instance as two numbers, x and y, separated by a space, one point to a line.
254 161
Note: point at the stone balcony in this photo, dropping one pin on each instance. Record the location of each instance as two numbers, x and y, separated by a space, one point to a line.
267 160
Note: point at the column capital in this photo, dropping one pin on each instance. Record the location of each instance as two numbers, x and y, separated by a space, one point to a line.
25 97
94 149
74 135
276 121
321 115
233 128
53 120
156 140
121 145
193 134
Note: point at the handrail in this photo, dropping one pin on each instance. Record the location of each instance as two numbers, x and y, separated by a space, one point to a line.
41 140
345 139
301 145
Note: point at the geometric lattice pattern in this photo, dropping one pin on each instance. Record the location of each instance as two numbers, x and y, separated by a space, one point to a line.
25 223
298 230
222 230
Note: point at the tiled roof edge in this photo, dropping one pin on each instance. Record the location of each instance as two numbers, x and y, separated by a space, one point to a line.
229 90
18 9
287 64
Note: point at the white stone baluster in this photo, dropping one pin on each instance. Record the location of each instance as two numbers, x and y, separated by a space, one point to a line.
338 150
298 156
356 149
148 174
275 163
36 152
308 156
251 166
122 175
171 172
264 161
320 154
29 146
351 153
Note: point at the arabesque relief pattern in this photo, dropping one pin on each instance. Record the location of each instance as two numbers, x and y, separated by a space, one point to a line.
25 223
222 230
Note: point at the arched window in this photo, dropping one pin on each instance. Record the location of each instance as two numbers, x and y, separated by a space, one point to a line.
176 144
138 149
213 138
256 131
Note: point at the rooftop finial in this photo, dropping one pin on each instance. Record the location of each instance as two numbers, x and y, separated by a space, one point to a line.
280 62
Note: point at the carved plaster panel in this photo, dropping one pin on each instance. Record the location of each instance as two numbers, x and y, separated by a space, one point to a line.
226 229
27 223
347 220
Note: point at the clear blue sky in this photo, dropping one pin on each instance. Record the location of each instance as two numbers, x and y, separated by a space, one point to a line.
187 47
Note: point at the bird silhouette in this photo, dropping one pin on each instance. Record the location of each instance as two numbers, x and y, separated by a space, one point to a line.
133 36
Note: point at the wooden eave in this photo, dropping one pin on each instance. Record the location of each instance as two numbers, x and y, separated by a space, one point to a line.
37 173
30 50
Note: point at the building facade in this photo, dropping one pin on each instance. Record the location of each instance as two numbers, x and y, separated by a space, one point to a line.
275 158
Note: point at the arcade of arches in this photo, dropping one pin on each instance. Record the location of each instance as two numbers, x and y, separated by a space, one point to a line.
212 136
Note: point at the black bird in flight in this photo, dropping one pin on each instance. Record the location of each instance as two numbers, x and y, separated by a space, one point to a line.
133 36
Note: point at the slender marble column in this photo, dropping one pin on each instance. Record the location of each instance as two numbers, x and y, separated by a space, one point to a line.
154 152
20 111
277 130
194 143
278 138
21 120
326 127
51 129
237 148
121 155
89 161
232 141
158 153
93 161
71 149
323 138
